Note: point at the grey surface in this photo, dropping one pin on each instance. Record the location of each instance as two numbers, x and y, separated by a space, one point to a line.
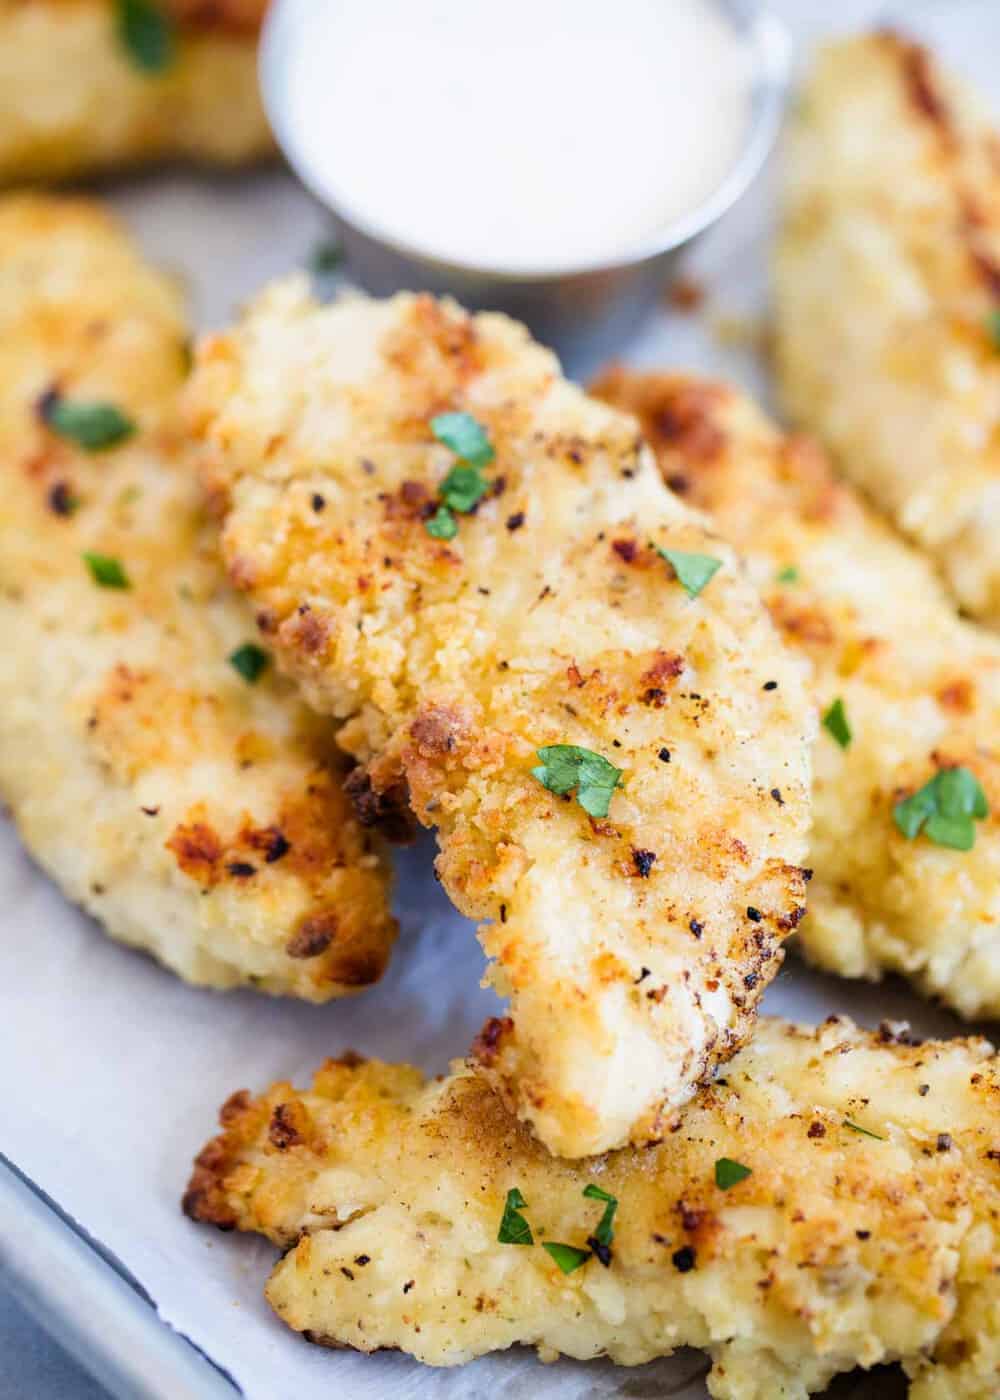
32 1364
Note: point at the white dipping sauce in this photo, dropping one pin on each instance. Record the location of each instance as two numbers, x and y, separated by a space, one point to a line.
515 134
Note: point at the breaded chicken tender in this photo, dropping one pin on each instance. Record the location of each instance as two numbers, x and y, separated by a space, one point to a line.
919 688
91 85
832 1202
476 653
888 287
154 763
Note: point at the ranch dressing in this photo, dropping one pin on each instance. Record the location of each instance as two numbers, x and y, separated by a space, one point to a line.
520 135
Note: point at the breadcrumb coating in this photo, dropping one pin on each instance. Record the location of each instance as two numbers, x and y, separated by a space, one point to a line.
888 284
861 1227
634 945
194 813
74 100
920 688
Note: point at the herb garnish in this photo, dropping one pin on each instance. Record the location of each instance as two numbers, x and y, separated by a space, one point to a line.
857 1128
693 571
442 525
993 327
567 1256
92 426
464 486
325 258
946 809
789 574
514 1229
835 723
146 33
605 1231
251 661
466 438
729 1173
105 571
567 766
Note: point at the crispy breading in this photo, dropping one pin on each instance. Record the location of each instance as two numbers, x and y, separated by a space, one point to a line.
920 687
194 814
73 100
633 948
888 278
866 1231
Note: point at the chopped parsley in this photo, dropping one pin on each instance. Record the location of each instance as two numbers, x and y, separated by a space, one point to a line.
464 486
567 766
92 426
693 571
857 1128
789 574
835 723
442 524
567 1256
466 438
993 327
146 33
325 258
729 1173
251 661
605 1231
946 809
106 571
514 1229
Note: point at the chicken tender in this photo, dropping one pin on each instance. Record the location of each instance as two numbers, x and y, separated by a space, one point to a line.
596 733
91 85
888 288
919 689
154 763
832 1202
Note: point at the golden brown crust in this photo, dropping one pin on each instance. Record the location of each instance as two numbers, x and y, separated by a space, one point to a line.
866 1230
73 100
549 618
219 835
921 689
887 281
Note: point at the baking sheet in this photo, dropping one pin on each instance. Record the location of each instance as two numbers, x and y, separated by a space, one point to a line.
111 1070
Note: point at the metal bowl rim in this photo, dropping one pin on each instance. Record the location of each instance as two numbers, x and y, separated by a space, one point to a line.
771 44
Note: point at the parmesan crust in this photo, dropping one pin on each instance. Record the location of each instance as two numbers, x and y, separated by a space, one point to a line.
920 687
196 815
866 1231
887 278
633 948
73 101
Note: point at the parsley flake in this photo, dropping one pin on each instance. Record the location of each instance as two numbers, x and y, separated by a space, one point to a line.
693 571
835 723
466 438
514 1229
857 1128
993 327
325 258
567 766
92 426
442 524
729 1173
251 662
146 33
946 809
789 574
106 571
605 1231
463 488
567 1256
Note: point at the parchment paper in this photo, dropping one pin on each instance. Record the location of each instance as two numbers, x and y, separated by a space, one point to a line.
111 1071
